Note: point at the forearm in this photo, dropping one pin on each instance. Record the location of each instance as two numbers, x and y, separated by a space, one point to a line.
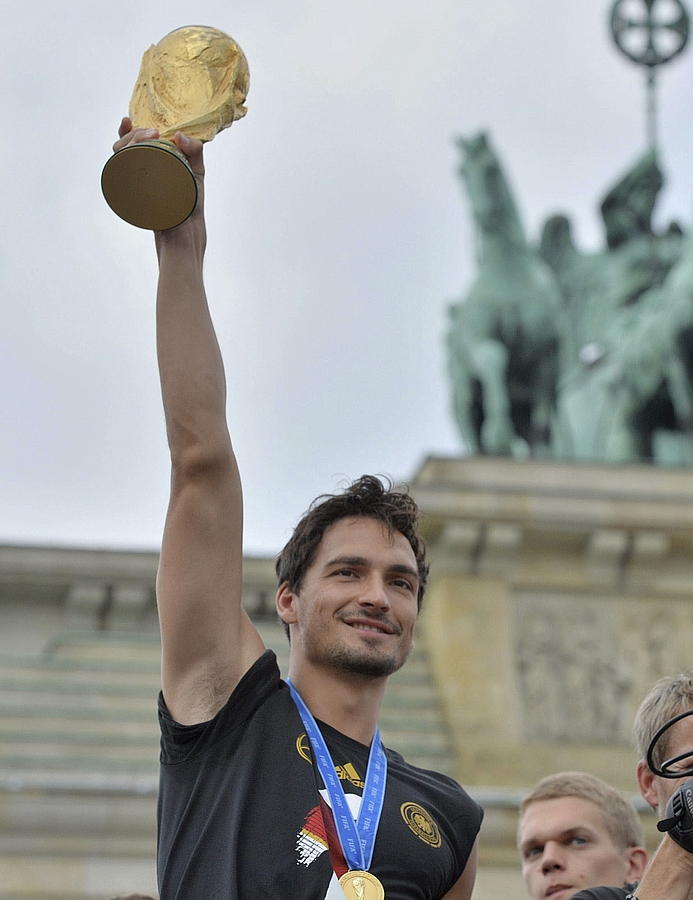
190 365
669 876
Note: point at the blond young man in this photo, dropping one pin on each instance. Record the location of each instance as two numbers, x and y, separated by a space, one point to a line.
669 875
576 831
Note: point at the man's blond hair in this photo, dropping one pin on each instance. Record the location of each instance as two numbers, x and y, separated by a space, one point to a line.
620 817
668 697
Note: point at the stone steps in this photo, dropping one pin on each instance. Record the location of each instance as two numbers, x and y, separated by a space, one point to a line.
89 704
20 670
66 693
105 725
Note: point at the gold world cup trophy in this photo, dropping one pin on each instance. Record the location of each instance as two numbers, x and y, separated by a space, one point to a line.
195 80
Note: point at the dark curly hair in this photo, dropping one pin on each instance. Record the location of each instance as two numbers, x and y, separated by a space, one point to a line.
370 497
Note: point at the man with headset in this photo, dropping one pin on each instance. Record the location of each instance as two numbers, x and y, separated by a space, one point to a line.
663 731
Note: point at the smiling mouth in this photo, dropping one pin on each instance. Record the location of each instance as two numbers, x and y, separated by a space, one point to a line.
370 627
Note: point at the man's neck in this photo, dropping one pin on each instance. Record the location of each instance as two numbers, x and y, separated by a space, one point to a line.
348 702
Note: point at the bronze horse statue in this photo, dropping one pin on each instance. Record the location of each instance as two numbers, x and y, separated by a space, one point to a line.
502 337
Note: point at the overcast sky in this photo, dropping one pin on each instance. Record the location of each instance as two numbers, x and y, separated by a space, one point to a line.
338 234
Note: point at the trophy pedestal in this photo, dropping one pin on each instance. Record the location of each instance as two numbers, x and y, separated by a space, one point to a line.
150 185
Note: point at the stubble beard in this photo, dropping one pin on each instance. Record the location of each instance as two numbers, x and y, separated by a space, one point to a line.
365 662
370 666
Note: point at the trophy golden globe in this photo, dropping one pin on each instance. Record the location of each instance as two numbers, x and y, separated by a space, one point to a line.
195 80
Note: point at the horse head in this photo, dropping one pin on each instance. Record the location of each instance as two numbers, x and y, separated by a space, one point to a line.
493 207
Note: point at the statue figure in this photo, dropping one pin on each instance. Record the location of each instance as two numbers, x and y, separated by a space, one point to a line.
606 411
578 355
503 337
627 208
636 402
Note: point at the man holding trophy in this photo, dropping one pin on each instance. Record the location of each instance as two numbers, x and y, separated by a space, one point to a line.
270 788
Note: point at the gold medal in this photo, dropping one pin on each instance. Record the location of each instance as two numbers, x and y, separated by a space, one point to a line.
358 885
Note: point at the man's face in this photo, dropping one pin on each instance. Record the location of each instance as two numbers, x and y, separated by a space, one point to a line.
657 790
357 606
565 847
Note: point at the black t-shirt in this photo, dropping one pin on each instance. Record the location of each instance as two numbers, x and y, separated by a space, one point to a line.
243 815
602 893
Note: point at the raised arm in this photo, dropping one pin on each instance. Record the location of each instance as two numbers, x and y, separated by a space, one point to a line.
208 642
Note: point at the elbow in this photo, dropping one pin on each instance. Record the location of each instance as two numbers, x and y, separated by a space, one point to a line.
196 462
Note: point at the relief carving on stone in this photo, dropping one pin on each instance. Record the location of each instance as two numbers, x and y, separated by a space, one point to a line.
574 675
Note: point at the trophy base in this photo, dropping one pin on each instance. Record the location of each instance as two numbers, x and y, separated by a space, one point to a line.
150 185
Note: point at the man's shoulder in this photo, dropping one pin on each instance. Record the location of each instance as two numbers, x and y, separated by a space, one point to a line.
256 697
432 777
602 893
442 791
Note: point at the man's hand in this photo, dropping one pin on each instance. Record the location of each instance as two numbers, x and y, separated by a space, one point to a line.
189 147
192 149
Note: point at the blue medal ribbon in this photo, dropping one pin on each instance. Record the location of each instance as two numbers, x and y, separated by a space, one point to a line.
357 838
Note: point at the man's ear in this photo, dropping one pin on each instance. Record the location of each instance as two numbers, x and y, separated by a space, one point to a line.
637 861
646 781
285 602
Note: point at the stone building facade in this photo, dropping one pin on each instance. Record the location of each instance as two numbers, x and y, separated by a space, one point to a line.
558 594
